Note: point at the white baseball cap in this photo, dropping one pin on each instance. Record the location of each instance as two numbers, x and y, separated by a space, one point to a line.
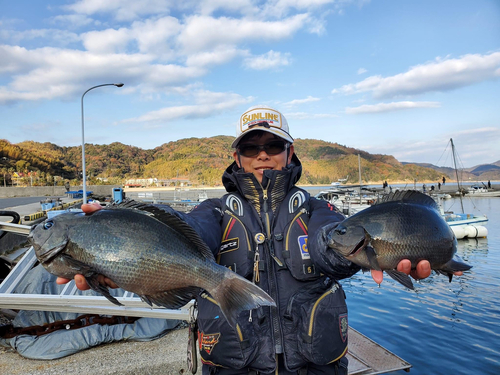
263 118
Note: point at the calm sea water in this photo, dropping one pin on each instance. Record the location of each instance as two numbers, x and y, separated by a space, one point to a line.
441 327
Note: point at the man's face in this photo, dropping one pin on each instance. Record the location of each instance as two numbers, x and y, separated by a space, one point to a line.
262 161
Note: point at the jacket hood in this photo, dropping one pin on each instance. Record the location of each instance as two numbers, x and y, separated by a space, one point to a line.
233 175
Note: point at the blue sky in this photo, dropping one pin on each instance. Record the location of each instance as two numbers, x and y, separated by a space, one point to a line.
389 77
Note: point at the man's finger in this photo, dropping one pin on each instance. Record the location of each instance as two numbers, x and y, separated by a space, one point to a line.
81 283
377 276
423 270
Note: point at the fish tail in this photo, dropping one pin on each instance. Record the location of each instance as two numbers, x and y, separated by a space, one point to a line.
453 265
236 294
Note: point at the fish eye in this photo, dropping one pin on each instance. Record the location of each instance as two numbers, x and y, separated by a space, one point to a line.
341 231
48 224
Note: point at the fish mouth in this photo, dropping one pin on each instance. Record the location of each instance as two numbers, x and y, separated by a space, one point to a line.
360 246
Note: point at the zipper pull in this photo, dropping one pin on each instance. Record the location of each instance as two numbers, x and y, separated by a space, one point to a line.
271 250
256 259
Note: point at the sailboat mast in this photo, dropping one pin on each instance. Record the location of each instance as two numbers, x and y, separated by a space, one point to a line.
359 171
456 172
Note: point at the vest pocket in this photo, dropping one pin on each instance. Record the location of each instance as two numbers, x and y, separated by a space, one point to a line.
295 251
219 343
322 325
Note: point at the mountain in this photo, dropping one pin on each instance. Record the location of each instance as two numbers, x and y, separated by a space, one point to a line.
482 172
201 160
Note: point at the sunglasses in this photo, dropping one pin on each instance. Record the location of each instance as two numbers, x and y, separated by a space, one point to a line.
271 148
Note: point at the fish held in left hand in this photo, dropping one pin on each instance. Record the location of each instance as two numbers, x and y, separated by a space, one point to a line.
147 251
402 225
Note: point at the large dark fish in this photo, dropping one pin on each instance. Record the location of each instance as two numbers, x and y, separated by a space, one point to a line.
148 252
401 225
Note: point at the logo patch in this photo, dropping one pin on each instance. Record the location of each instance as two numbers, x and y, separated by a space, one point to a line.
230 245
344 327
235 205
296 200
208 341
304 251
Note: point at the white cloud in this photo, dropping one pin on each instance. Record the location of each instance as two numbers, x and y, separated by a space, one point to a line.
208 104
268 60
474 146
440 75
362 71
309 99
106 41
122 10
308 116
390 107
201 33
218 56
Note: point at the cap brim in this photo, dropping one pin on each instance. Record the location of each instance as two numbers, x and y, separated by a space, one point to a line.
280 133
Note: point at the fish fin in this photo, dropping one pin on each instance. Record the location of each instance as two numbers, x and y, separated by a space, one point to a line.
401 277
453 265
94 285
408 196
172 299
91 277
171 220
236 294
372 258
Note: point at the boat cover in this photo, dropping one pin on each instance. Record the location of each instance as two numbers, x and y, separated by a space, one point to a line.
63 342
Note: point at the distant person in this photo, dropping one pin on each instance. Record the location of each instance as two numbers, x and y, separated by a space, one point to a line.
439 185
489 184
67 186
444 180
390 189
423 187
432 187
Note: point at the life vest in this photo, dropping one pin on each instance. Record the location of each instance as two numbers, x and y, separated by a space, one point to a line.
309 323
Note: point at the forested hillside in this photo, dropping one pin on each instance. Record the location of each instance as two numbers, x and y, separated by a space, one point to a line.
201 160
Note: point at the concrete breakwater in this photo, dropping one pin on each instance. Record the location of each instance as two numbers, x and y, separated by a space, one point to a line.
47 191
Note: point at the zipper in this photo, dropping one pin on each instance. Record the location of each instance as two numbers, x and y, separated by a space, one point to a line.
243 226
315 306
278 344
300 213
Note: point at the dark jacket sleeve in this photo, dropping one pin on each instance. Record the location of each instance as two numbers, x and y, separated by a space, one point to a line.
323 218
205 219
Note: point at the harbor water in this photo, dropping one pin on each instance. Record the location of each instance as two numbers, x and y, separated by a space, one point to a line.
440 327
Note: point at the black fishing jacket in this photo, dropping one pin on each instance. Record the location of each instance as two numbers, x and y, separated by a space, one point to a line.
274 235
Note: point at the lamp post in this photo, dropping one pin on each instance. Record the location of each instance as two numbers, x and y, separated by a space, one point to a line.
83 139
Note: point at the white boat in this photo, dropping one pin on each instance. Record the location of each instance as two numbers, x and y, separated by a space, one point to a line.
481 191
463 225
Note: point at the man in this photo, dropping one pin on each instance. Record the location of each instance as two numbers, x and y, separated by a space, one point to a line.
273 233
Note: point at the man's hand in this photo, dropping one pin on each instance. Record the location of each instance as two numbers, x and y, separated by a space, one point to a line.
80 281
422 271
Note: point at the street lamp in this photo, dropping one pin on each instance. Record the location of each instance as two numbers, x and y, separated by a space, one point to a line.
83 140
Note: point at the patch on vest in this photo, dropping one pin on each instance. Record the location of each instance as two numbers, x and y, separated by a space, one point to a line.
343 327
304 251
208 341
235 205
296 200
230 245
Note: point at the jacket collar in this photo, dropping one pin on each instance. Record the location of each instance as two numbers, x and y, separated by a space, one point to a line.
276 184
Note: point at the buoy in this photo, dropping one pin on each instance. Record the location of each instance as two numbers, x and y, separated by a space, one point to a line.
473 231
458 231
